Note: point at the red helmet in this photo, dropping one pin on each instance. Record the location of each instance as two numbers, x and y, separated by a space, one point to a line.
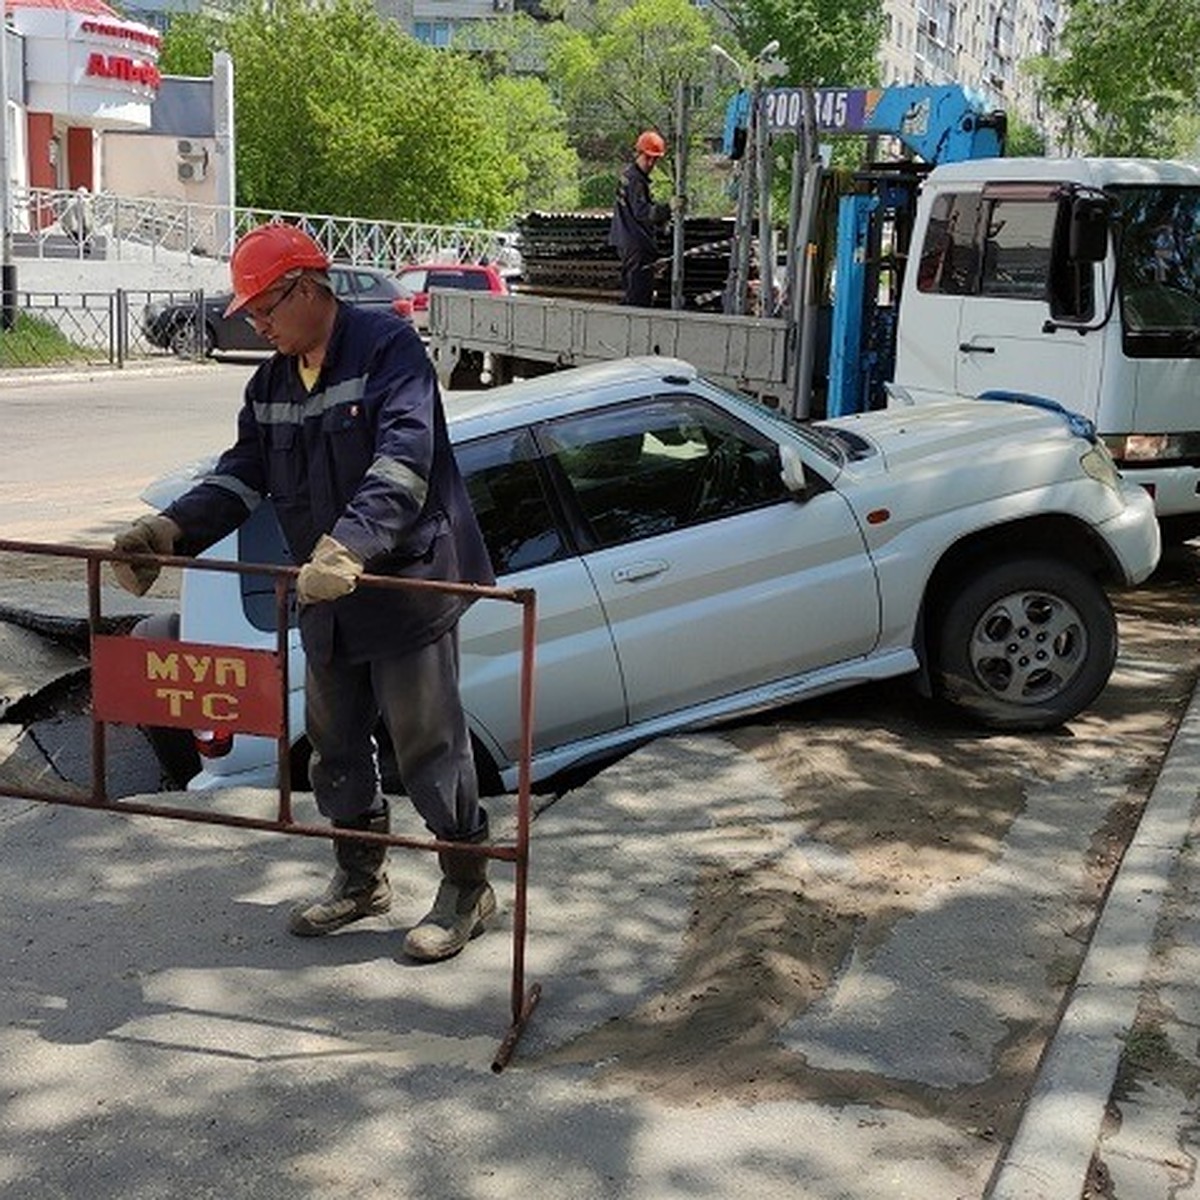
265 255
651 144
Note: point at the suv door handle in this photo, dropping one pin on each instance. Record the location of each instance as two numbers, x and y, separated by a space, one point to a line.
972 348
640 570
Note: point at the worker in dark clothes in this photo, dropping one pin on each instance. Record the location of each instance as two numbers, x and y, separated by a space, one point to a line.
343 429
637 220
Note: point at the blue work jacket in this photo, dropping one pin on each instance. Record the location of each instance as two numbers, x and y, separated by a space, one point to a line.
365 457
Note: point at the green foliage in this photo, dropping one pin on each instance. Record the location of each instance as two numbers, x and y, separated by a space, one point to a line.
822 42
1128 78
546 173
33 342
339 111
619 65
1023 140
188 46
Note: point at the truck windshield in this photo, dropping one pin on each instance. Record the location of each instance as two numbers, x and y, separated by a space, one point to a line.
1158 270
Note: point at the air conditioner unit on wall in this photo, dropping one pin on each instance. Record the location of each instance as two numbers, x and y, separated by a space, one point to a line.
193 161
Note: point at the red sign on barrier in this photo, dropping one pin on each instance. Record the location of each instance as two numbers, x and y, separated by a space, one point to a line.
186 685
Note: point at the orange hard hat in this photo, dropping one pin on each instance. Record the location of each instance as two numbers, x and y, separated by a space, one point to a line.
651 143
265 254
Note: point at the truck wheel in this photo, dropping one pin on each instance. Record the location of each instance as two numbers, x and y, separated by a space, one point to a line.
1025 645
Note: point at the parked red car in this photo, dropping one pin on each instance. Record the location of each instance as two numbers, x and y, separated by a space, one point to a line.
417 281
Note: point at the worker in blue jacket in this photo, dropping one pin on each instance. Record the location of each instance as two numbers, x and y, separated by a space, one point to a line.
343 428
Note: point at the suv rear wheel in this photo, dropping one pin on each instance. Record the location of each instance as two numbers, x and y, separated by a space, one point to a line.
1026 645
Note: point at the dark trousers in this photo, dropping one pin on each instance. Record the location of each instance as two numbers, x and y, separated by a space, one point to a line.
637 278
418 698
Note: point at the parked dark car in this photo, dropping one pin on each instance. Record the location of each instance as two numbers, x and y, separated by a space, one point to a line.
171 324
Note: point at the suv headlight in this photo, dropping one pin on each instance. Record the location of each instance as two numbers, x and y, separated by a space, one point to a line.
1098 463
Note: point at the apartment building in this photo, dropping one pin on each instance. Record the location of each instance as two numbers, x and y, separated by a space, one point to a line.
980 44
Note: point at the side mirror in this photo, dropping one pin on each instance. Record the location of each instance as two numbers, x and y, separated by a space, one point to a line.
1089 229
793 473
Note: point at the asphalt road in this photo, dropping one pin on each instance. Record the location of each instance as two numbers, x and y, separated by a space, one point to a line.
816 955
76 453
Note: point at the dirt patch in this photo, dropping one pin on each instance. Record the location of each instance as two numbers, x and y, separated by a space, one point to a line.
914 801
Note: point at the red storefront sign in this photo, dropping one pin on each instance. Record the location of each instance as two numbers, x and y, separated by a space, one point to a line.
186 685
128 70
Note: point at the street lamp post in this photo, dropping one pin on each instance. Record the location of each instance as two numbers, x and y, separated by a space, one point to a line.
754 164
8 270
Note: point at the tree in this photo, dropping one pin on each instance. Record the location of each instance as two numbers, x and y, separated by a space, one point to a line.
338 111
831 42
511 51
546 168
1023 140
619 66
1127 79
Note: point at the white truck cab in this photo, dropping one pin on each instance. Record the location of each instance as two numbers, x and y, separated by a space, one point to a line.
1077 280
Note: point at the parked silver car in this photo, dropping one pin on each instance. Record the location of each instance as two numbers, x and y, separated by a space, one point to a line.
697 556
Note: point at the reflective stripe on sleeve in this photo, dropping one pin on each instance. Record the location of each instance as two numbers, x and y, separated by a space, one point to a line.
392 471
231 483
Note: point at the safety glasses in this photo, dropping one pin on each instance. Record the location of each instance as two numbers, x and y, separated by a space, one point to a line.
261 318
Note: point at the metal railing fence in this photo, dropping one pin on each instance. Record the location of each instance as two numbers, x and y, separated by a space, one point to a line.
56 223
122 696
57 329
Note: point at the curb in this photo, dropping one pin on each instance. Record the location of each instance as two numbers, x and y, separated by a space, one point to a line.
1051 1154
14 377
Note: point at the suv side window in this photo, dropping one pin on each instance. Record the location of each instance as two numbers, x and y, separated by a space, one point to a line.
505 486
659 464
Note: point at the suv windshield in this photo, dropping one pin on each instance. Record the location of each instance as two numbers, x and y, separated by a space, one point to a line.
1158 270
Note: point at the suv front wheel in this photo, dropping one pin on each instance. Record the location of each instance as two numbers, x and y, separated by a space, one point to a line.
1025 645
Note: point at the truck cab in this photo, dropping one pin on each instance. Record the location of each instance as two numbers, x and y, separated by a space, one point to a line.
1077 280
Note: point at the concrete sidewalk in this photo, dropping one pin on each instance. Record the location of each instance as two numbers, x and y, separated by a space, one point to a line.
18 378
1144 953
160 1034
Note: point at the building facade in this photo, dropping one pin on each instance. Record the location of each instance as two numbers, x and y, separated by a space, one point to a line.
80 69
979 44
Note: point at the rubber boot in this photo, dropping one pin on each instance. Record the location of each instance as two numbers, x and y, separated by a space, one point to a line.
359 887
463 904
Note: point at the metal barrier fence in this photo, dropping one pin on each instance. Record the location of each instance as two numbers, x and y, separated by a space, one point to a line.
50 223
102 328
128 695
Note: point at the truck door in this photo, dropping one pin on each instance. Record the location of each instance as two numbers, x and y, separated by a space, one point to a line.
947 270
1008 337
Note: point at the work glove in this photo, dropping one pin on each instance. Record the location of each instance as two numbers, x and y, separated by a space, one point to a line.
147 535
332 571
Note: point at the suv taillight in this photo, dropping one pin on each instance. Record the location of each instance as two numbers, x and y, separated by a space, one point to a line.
212 745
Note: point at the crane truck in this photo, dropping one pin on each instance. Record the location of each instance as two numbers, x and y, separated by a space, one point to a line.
1074 280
